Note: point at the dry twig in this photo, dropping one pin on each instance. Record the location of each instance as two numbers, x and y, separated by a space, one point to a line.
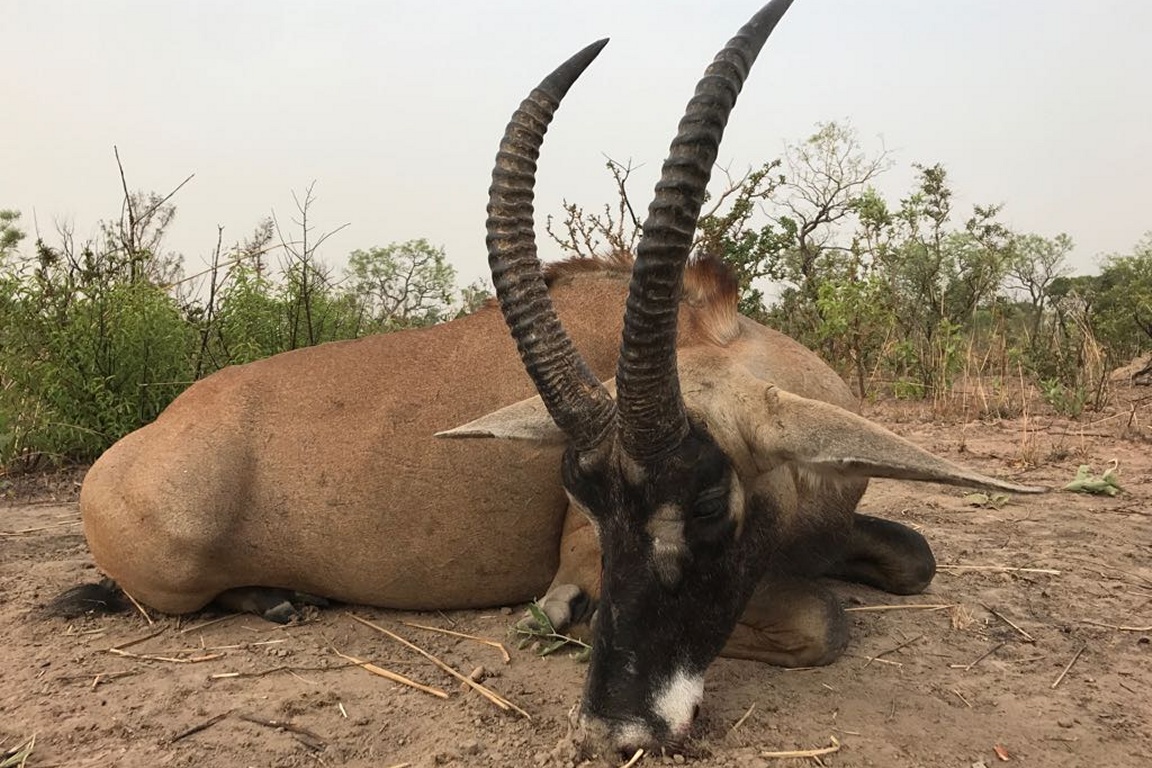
210 623
804 752
139 607
497 645
907 607
1068 666
743 717
393 676
634 759
1117 627
480 688
197 728
979 658
169 659
1010 623
905 644
39 528
997 569
303 735
137 641
282 668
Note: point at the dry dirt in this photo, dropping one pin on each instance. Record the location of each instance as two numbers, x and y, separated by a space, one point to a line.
1043 651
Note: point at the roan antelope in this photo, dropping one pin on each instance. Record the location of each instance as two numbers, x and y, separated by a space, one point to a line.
692 512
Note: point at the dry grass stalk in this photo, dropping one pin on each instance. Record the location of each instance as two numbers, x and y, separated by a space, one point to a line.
904 644
961 697
39 528
139 608
979 658
960 617
634 759
480 688
835 747
210 623
907 607
101 677
1117 627
1068 666
283 668
137 641
870 659
743 717
393 676
495 644
169 659
1010 623
997 569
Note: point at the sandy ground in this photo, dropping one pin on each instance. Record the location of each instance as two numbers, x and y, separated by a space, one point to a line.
1042 650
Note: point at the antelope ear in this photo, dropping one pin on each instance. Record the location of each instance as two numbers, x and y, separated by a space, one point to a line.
525 420
829 439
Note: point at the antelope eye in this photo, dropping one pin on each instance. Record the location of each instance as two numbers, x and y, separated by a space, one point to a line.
711 501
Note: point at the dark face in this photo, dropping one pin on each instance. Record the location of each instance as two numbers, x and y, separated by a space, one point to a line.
676 576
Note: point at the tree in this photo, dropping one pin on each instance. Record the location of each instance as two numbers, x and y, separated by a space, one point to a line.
10 233
1038 261
402 285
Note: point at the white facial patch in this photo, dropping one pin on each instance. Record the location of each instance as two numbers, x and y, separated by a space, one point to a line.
676 702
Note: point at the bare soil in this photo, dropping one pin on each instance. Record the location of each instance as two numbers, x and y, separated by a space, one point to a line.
1042 652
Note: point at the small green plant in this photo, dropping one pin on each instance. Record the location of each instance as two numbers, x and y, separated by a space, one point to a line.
1068 401
1107 484
17 757
538 630
986 501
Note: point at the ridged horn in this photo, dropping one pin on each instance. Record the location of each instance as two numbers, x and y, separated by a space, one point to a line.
652 414
574 397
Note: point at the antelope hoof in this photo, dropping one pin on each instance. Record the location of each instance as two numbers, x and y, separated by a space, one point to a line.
564 605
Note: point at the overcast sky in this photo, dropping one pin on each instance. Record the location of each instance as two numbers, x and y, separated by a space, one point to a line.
395 107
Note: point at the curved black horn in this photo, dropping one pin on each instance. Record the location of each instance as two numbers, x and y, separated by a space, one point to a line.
575 398
652 412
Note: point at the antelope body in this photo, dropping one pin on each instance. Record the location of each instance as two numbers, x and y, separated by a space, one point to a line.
693 502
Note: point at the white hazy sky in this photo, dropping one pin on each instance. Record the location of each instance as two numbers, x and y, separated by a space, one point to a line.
395 107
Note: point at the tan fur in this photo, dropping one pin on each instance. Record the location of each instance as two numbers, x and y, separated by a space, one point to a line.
317 469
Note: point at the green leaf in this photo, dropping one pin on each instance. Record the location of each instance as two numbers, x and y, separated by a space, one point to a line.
1107 484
